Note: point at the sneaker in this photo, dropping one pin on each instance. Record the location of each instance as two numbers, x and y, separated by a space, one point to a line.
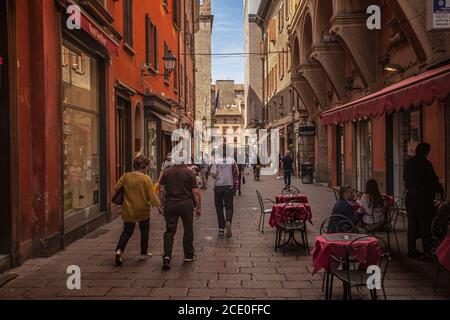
166 263
119 259
228 230
221 232
190 259
146 256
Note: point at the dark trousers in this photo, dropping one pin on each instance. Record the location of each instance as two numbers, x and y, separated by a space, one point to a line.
173 212
223 198
420 216
287 177
128 229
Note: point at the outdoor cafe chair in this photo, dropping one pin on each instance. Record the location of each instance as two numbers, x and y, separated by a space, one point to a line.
288 227
336 224
290 190
264 211
357 276
440 228
389 212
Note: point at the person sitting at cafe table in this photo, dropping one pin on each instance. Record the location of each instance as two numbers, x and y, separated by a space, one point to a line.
372 206
343 207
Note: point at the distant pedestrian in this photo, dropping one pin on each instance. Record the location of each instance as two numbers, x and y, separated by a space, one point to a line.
422 184
222 172
138 198
181 200
288 168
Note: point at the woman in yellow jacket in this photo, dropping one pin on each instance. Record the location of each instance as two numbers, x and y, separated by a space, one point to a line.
138 198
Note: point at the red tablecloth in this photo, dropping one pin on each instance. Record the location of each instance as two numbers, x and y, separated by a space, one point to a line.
280 212
443 253
367 251
291 197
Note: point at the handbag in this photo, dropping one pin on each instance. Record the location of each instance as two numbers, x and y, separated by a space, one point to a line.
118 196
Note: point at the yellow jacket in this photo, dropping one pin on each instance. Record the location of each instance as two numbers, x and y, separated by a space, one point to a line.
139 197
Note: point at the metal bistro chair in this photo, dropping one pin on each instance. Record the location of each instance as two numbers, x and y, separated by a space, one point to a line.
388 227
357 277
289 227
399 212
263 209
290 190
440 228
335 224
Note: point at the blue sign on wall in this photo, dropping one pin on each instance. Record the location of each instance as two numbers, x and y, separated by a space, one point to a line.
441 6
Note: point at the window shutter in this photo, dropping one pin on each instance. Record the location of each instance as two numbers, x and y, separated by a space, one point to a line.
148 34
155 47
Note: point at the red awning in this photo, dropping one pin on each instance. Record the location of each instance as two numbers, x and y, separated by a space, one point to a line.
412 92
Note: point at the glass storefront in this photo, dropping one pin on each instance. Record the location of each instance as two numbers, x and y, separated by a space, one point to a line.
81 148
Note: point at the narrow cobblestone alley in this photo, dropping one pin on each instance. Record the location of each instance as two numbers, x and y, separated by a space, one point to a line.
244 267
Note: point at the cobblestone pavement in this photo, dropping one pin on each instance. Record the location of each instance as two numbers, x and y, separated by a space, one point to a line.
243 267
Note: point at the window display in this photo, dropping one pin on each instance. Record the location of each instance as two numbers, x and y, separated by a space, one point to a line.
80 132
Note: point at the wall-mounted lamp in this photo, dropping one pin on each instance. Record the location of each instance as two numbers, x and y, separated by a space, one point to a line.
394 68
169 62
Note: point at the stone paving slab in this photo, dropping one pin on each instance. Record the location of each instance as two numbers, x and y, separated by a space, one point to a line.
243 267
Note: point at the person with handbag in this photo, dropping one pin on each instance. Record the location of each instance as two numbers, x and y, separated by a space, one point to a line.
134 191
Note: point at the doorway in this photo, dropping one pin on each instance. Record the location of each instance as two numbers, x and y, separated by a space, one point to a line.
123 137
363 154
5 143
340 155
406 134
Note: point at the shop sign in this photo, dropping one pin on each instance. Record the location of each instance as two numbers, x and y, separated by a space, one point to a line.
98 34
438 16
307 130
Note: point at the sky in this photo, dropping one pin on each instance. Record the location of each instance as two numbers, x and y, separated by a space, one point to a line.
228 36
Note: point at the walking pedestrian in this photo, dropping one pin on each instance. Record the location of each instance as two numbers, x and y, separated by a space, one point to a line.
222 173
182 199
288 168
422 184
138 198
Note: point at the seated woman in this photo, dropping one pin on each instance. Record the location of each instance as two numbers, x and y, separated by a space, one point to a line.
372 206
343 207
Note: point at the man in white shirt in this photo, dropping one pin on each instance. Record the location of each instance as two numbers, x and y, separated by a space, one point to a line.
222 172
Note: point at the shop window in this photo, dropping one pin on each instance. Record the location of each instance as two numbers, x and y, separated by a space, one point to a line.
81 150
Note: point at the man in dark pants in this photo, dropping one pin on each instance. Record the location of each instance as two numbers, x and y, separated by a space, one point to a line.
422 185
288 168
181 195
222 172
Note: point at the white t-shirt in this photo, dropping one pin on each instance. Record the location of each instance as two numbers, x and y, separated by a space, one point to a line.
378 213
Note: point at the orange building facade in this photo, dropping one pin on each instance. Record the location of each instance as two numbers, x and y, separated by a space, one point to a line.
81 96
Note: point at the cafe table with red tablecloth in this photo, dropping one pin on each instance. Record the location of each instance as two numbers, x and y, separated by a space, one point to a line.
367 251
443 253
282 211
285 198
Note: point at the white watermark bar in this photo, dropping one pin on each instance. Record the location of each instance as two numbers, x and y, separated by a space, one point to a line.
246 147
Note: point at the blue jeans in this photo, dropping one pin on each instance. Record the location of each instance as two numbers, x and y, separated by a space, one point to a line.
287 177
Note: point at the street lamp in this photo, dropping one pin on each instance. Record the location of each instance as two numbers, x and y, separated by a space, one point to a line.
169 62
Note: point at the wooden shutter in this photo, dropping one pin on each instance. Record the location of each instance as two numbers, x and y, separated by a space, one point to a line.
155 48
148 40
